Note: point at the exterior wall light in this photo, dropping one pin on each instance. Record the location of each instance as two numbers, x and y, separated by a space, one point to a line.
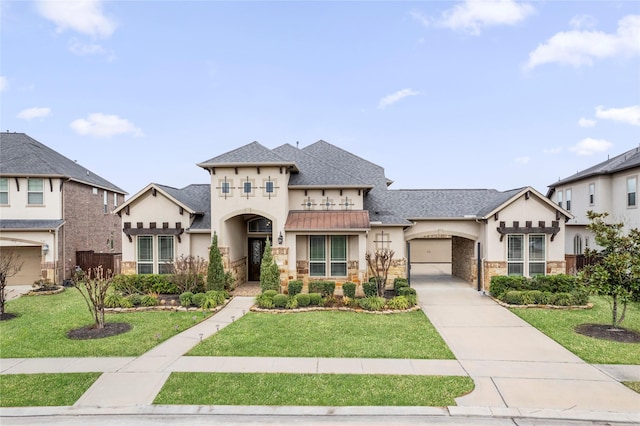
45 249
280 238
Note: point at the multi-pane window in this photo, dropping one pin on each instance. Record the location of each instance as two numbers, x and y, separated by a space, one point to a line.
592 193
268 187
533 256
226 187
560 198
577 244
336 246
145 254
165 254
105 198
632 186
247 187
317 256
35 191
4 191
568 193
115 200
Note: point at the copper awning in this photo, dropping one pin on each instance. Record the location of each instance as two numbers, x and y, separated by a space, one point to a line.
345 220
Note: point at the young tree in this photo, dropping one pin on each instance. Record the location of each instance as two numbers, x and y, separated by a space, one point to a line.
10 265
379 263
188 272
616 274
269 271
93 286
217 278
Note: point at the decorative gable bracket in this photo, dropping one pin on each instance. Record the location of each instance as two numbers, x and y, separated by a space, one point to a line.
529 229
153 230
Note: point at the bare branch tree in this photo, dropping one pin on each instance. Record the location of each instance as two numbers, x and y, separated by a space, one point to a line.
10 265
189 272
379 263
93 286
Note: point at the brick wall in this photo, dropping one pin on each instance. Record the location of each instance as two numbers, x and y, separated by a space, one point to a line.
87 227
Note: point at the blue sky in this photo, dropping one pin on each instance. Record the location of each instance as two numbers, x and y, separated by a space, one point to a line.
442 94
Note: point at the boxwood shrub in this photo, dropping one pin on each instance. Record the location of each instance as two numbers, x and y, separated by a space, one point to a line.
144 284
349 290
370 289
399 283
295 287
541 289
280 300
315 299
186 299
303 299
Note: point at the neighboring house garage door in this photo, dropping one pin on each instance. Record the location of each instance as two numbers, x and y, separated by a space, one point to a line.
30 272
431 255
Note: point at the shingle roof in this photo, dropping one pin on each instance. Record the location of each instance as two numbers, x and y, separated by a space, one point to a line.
253 153
314 171
30 224
624 161
24 156
198 198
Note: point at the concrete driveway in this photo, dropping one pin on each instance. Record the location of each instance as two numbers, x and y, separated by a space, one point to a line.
513 364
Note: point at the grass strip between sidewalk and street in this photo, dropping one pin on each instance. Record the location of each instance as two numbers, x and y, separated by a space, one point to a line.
633 385
42 322
40 390
311 389
328 334
559 324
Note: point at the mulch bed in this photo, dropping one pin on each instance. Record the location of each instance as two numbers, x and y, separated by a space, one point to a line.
606 332
91 332
7 316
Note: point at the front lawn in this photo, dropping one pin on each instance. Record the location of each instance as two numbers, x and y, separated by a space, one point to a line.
560 325
312 389
328 334
39 390
42 322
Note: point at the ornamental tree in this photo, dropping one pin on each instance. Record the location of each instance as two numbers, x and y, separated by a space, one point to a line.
616 273
269 271
10 265
217 278
93 286
379 263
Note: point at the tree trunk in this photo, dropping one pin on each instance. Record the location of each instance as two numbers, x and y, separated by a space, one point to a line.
615 311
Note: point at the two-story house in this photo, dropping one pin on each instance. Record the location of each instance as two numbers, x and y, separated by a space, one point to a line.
607 187
324 208
51 208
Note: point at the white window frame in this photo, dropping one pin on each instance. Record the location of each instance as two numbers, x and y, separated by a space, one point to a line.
592 194
559 198
165 262
105 201
632 192
141 263
568 199
526 260
34 192
4 191
328 261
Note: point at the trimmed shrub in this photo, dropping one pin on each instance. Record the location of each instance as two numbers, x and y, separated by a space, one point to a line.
292 303
303 299
280 300
145 283
513 297
315 286
295 287
372 303
398 302
148 300
528 298
562 299
412 298
399 283
349 290
328 288
264 302
370 289
197 299
536 296
270 293
580 297
406 291
186 299
314 299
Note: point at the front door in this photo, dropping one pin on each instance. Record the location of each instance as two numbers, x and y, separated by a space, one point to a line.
256 250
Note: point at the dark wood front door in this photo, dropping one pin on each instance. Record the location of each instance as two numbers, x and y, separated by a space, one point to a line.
256 250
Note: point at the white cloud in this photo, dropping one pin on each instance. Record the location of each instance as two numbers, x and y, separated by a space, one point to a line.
585 122
589 146
522 160
4 83
578 48
103 125
35 112
582 21
424 20
629 115
82 49
552 151
474 15
84 16
395 97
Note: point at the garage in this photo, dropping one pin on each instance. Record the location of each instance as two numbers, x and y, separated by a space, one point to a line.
31 270
431 256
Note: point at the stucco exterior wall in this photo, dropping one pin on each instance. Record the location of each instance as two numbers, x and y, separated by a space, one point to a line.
339 199
18 207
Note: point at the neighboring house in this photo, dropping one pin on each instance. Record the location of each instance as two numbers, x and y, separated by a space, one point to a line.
324 209
52 208
608 187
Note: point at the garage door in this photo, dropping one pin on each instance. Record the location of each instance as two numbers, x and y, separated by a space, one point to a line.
30 258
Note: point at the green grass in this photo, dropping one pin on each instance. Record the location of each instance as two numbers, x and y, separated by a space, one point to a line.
312 389
560 324
39 390
328 334
633 385
42 323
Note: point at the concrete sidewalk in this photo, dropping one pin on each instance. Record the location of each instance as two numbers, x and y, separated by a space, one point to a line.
513 364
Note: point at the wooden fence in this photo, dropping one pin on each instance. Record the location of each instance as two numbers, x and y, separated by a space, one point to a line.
89 259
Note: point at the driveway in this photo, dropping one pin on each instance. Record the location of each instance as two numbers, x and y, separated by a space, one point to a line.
512 363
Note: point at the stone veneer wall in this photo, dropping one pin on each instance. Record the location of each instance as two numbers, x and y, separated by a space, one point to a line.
556 267
128 268
463 263
492 269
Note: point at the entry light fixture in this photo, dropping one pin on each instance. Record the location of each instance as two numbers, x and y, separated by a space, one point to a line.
45 249
280 238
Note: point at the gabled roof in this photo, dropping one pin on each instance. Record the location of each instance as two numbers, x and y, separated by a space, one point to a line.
624 161
195 199
314 171
253 154
21 155
31 224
